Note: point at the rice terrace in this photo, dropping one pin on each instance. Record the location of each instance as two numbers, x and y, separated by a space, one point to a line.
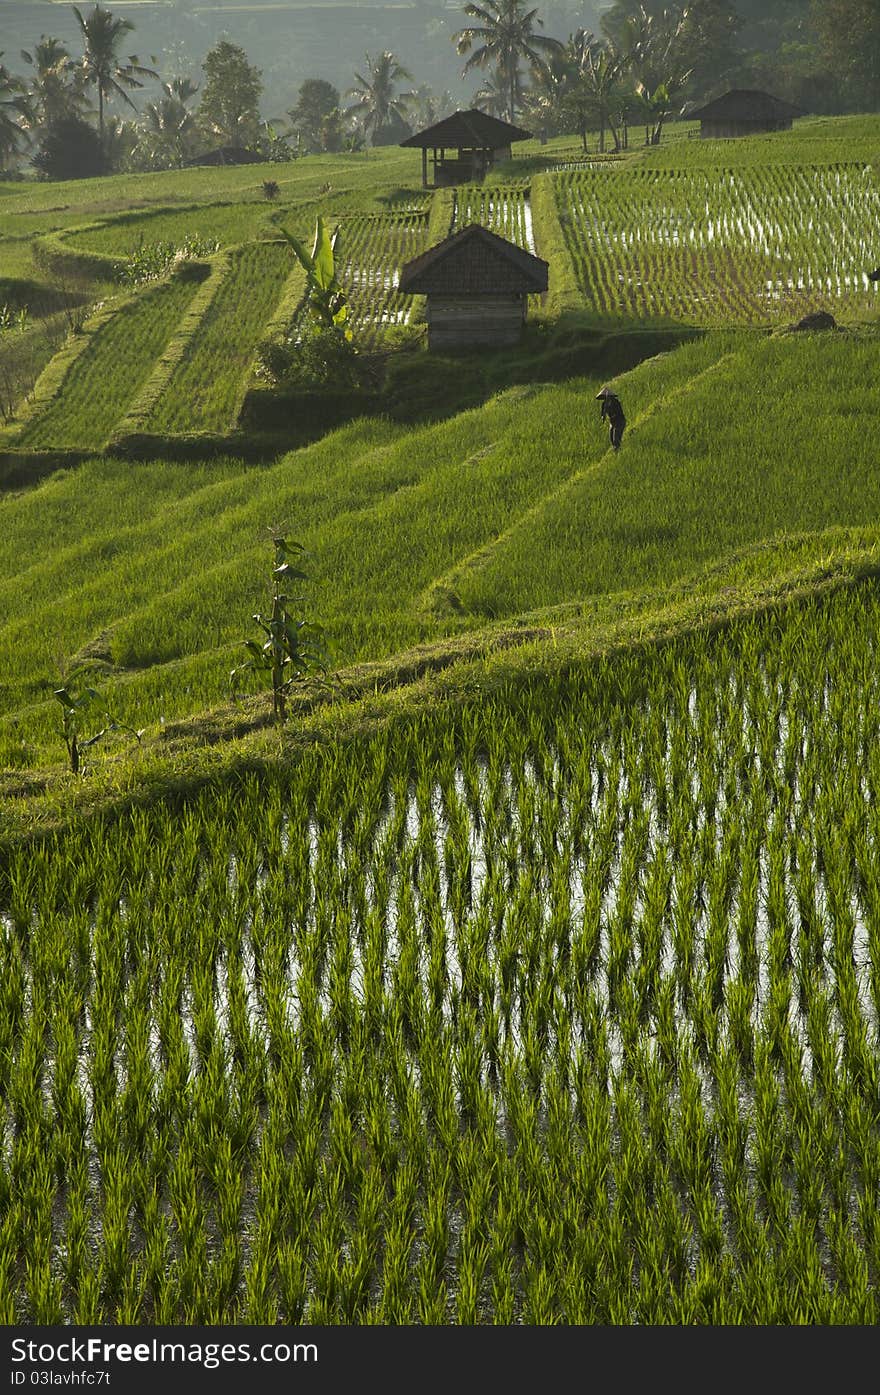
528 971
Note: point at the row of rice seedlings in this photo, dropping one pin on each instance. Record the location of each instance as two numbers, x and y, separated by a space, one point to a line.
710 244
532 1033
204 391
125 235
818 142
106 377
24 353
373 249
503 210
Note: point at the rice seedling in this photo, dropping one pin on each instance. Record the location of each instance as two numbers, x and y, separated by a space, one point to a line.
744 245
502 209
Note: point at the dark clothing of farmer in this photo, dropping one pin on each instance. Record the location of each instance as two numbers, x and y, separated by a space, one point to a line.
612 412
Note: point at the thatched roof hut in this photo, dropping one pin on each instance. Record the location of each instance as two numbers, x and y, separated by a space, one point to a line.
744 112
477 286
477 139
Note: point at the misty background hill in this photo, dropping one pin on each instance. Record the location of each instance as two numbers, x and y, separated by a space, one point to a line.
773 42
289 42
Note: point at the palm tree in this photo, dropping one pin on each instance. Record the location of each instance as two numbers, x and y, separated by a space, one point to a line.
14 114
492 94
428 108
653 44
601 71
169 122
57 87
121 141
577 100
657 103
102 34
376 104
545 103
503 38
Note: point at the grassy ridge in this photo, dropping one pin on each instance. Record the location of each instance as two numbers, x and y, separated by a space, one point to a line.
370 172
819 140
776 438
205 390
359 495
229 223
107 375
505 510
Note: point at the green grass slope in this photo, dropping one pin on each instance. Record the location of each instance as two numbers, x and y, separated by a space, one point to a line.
500 513
104 379
773 437
747 457
531 973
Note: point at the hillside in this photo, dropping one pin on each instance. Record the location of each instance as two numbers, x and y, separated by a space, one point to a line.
417 534
529 972
421 529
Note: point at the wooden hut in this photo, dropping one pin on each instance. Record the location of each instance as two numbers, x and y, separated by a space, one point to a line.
743 112
478 141
477 286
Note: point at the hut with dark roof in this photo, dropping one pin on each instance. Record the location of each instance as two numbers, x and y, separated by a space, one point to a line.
477 139
743 112
477 286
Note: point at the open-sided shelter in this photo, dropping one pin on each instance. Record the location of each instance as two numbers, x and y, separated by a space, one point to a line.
744 112
477 286
476 139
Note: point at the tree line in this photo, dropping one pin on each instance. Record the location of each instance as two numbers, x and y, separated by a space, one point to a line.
648 62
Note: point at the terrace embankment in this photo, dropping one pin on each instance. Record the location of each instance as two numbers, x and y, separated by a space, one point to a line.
531 972
525 997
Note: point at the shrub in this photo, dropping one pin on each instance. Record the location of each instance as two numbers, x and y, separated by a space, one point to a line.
294 647
150 261
315 356
78 706
70 149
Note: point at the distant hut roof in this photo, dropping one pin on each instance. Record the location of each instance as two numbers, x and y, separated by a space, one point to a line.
746 104
474 261
467 130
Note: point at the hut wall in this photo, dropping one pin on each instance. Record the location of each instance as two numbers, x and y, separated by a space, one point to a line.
454 171
728 130
476 321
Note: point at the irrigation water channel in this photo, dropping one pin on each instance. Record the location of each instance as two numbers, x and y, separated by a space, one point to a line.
522 790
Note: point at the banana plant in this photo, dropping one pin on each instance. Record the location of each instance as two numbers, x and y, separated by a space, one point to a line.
77 707
327 301
294 647
658 103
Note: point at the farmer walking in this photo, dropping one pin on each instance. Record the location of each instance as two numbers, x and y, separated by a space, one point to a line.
612 412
